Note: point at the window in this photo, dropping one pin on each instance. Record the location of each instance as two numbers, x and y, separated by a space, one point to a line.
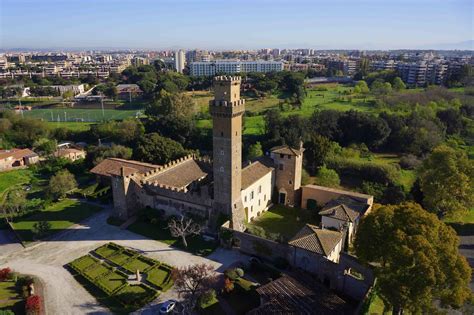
280 167
289 157
265 197
282 155
290 182
245 198
251 195
221 169
236 133
251 209
222 134
222 152
259 202
260 189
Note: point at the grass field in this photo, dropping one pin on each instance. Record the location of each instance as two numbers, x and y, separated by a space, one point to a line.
14 178
282 221
61 215
82 115
70 125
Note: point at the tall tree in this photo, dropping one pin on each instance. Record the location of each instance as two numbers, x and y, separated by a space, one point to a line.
317 149
447 181
61 183
398 84
416 258
154 148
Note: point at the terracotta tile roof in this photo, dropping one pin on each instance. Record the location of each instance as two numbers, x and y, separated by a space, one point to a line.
180 175
112 166
253 172
284 149
286 295
314 239
344 208
340 212
64 152
16 153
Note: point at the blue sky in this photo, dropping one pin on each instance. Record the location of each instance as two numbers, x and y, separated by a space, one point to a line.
224 24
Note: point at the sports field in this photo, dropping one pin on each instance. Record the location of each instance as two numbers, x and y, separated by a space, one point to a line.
81 115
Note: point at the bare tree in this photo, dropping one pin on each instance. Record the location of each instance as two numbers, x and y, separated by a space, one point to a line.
192 281
183 227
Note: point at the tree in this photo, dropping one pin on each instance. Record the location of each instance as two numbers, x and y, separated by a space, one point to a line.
45 146
327 177
361 87
41 228
416 257
255 151
177 105
193 281
154 148
15 201
95 155
452 119
398 84
183 227
61 183
316 152
447 181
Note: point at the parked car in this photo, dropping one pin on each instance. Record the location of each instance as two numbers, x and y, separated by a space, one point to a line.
168 307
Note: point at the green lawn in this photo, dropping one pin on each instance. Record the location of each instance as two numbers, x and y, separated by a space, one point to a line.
106 251
376 306
8 295
196 244
61 215
119 258
14 178
71 125
157 276
137 264
112 281
86 115
97 270
84 262
282 221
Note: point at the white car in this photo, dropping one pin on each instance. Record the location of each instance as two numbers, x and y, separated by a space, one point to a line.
167 307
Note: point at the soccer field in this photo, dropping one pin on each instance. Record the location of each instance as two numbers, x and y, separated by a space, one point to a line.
71 114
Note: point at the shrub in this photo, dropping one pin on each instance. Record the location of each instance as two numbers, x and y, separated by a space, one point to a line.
239 272
207 298
5 274
409 162
231 274
33 305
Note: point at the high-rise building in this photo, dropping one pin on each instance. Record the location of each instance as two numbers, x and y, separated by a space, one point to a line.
179 59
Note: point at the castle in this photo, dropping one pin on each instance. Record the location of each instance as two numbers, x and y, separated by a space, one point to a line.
210 188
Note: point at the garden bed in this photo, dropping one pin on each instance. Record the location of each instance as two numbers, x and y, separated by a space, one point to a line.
107 278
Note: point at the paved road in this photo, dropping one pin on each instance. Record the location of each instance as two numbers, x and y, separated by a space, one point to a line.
63 295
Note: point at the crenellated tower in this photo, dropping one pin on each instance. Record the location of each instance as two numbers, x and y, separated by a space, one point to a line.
227 110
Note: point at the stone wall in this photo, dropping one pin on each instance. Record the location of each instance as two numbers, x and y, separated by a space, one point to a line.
323 195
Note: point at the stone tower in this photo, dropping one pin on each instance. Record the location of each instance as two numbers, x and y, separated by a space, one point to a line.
227 110
288 169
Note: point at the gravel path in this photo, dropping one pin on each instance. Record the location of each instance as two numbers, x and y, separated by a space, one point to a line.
63 294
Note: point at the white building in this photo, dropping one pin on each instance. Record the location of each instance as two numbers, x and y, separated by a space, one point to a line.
180 59
211 68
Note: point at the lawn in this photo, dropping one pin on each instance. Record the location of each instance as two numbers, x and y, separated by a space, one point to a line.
159 232
14 178
83 115
282 221
84 262
61 215
159 276
137 264
120 258
96 270
112 281
9 297
70 125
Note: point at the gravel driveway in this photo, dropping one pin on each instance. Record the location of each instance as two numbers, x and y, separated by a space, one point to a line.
63 294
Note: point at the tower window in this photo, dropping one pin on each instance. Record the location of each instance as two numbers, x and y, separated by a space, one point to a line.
282 156
222 152
236 133
280 167
222 134
290 182
221 169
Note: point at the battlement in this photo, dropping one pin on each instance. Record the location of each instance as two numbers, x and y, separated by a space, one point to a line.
227 78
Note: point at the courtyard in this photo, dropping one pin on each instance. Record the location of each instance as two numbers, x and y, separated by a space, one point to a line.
281 223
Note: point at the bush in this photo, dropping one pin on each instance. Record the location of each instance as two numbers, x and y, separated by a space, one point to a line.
409 162
382 174
5 274
33 305
232 274
239 272
24 281
207 298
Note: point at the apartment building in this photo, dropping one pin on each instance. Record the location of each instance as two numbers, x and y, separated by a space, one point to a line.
180 60
233 66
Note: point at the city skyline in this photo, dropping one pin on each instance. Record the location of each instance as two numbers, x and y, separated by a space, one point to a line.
168 25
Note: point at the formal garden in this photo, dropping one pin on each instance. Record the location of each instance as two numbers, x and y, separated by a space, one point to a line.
110 274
